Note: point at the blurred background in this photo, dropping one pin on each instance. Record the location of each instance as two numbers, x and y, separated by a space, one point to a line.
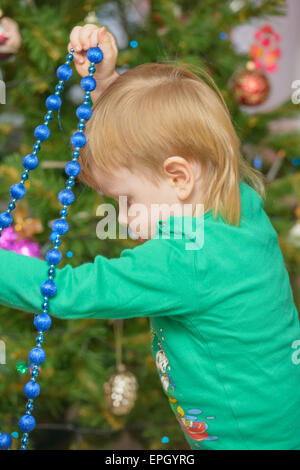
251 49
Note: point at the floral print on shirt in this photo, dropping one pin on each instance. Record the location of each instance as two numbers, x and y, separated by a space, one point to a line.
189 419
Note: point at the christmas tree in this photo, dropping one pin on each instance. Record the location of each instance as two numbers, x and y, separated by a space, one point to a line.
72 412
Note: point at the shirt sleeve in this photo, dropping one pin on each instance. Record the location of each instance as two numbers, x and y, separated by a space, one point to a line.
141 282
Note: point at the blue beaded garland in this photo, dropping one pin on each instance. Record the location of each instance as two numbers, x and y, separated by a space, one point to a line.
30 161
72 168
94 54
27 423
5 441
42 322
48 289
66 197
88 83
64 72
60 226
31 389
53 102
35 373
42 132
78 139
5 220
53 256
84 112
17 191
37 356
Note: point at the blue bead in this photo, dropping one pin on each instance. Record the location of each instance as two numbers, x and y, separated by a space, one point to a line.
32 389
81 126
63 212
24 440
42 322
72 168
51 271
53 102
70 57
5 441
53 236
257 162
5 220
53 256
40 338
66 197
64 72
29 406
94 54
48 289
34 373
30 161
78 139
11 205
24 176
75 154
60 226
92 68
88 83
58 88
42 132
17 191
37 356
27 423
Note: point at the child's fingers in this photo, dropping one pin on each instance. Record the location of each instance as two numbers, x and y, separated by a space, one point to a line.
80 36
85 35
74 38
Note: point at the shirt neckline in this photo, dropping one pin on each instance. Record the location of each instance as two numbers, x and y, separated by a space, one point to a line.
186 224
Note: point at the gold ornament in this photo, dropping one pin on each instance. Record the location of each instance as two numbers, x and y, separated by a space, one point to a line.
121 388
25 226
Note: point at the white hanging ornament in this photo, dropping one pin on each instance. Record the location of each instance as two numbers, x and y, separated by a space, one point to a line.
294 235
121 391
121 387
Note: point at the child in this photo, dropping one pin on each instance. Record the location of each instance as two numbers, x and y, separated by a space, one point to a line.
225 329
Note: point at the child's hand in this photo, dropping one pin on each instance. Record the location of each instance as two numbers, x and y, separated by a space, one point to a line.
83 38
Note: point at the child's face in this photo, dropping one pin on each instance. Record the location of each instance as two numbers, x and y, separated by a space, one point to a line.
136 196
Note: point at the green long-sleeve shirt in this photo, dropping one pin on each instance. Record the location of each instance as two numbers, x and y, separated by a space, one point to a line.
224 326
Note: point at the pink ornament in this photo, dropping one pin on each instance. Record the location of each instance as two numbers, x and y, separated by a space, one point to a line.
27 247
8 238
9 241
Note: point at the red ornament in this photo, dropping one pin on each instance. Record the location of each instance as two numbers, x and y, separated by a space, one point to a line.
251 87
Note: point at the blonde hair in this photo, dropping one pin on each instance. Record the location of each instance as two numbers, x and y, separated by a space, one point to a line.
157 110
